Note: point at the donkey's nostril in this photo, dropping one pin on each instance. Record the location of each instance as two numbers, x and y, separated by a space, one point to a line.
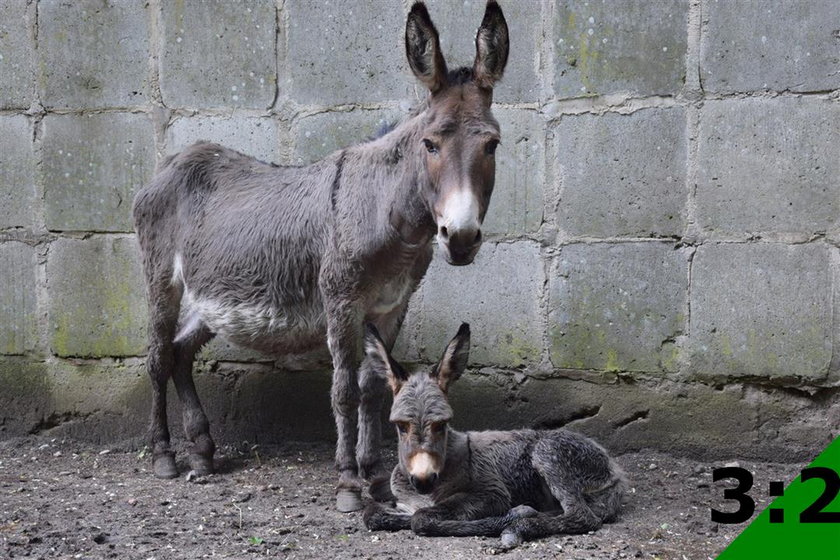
444 232
433 478
477 237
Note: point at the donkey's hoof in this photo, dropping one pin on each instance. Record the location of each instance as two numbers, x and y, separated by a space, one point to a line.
510 539
201 465
348 499
164 466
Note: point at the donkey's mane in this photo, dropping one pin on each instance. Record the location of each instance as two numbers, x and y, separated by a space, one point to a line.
460 76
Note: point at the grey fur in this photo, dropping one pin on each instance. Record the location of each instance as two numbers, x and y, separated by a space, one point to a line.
522 484
280 258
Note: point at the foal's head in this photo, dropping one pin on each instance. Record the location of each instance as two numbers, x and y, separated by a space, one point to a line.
459 134
421 411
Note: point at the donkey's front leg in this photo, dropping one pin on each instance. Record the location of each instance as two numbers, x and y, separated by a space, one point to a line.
466 514
344 339
380 517
372 386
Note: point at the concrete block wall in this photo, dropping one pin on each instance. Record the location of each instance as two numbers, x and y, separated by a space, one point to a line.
662 245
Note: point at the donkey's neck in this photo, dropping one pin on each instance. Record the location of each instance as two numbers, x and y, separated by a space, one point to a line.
458 451
408 210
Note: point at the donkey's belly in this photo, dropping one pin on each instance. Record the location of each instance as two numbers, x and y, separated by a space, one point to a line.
262 326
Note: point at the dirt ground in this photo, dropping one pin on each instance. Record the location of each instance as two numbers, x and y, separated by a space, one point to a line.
66 499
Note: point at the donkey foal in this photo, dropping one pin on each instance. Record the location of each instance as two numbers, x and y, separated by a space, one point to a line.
522 485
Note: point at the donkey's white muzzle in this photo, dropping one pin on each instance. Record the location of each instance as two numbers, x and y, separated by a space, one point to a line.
459 227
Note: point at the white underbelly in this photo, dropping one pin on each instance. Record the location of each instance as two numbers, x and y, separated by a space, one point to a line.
263 327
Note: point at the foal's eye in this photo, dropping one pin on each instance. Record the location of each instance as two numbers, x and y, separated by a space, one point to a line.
438 427
430 146
490 147
402 428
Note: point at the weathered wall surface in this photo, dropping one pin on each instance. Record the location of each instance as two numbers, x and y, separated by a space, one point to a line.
662 247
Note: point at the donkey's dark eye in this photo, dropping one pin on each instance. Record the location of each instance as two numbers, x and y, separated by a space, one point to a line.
490 147
402 427
430 146
438 427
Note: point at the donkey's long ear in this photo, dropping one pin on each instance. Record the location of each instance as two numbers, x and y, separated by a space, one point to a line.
454 360
491 47
422 48
381 359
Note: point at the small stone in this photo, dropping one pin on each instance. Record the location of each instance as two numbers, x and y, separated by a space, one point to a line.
733 464
241 497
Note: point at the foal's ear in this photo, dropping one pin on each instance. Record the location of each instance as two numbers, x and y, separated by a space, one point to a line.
381 359
454 360
422 48
491 47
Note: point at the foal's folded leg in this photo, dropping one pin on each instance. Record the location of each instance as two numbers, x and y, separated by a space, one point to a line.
468 515
577 518
379 517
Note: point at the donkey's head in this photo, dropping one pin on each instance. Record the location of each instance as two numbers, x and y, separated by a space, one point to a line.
459 134
421 410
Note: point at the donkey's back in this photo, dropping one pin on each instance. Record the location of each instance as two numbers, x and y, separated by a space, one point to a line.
549 467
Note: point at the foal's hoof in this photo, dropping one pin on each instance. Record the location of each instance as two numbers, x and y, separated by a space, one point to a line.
348 499
201 465
510 539
164 466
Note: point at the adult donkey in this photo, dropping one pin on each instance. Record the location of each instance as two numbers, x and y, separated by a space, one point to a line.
275 258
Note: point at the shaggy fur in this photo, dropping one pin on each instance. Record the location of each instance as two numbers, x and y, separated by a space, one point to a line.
281 258
522 484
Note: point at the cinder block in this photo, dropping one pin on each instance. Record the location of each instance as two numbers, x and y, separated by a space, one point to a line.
755 45
17 164
682 418
618 307
768 165
16 60
93 165
321 134
253 136
518 200
219 54
607 188
252 412
26 395
498 294
18 312
637 46
341 53
457 23
93 54
222 350
761 310
97 306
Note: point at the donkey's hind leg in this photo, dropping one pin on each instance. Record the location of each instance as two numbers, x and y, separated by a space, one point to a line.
192 336
164 301
575 518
